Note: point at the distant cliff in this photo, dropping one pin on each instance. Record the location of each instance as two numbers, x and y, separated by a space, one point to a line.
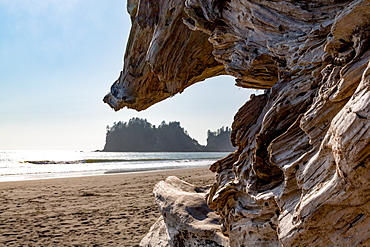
138 135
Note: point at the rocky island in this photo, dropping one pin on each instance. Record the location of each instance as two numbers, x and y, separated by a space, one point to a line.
138 135
300 175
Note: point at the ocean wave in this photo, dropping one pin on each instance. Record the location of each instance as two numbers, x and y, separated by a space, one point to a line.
127 170
24 165
51 162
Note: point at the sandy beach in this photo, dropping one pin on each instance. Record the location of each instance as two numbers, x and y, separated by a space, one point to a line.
108 210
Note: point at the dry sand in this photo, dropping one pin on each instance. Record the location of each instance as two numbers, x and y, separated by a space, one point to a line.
109 210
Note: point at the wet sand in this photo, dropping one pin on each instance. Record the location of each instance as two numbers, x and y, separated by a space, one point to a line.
109 210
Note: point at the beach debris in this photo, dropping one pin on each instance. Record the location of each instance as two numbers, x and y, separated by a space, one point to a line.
301 173
186 219
89 193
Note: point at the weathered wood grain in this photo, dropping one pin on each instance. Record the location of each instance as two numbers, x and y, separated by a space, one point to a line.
301 173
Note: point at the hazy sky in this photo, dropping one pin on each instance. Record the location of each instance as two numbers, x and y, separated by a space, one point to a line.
58 58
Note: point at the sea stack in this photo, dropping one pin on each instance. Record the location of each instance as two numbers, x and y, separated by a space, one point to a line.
301 173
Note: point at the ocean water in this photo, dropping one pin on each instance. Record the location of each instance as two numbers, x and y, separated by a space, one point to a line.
39 164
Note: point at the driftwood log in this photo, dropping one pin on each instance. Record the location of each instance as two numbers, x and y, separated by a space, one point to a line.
301 173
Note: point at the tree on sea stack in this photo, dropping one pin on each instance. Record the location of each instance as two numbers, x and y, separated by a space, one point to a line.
138 135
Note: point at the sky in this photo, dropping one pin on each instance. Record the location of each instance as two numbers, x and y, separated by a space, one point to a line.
58 58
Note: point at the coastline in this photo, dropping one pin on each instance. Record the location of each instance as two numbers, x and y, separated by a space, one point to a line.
76 175
104 210
44 164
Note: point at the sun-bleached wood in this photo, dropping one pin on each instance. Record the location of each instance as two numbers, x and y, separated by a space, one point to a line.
300 176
